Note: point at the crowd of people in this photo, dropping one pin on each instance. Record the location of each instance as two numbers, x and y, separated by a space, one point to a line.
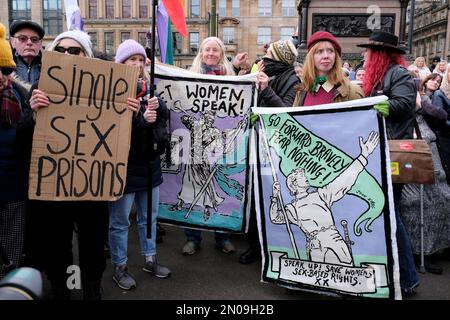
415 93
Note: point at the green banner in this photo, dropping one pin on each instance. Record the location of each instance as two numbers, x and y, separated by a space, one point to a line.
298 147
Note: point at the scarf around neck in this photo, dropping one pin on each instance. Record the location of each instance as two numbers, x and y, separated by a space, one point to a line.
9 107
279 74
216 70
275 68
318 81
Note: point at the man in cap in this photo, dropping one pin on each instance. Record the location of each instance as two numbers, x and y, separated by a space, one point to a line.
26 40
434 63
323 80
386 74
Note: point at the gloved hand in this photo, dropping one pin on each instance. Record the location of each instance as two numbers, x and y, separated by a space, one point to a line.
383 108
253 118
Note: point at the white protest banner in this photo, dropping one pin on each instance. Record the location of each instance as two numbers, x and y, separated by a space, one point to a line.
206 184
324 194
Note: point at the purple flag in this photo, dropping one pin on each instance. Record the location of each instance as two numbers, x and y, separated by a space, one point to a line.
162 23
76 21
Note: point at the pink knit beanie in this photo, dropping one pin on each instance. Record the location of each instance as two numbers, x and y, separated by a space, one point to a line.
127 49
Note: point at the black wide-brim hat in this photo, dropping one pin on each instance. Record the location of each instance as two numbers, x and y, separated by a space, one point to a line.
383 40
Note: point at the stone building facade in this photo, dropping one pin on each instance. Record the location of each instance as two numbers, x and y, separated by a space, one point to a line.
430 30
351 21
244 25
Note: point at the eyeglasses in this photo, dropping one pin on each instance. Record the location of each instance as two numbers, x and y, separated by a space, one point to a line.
25 39
71 50
6 70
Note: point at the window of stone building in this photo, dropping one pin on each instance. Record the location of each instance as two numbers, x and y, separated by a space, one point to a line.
235 5
287 33
126 8
264 34
193 42
228 35
222 8
142 38
177 43
143 8
195 8
92 9
109 9
124 36
288 8
442 43
94 40
264 7
109 42
19 10
52 14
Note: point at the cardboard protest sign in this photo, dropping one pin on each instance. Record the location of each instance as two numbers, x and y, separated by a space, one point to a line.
323 191
206 184
81 140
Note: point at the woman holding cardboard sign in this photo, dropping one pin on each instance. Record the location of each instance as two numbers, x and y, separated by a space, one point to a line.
54 221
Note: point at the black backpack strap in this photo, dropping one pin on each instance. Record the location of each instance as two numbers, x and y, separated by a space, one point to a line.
416 127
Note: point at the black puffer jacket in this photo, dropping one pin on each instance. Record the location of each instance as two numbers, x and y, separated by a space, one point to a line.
285 98
140 153
399 87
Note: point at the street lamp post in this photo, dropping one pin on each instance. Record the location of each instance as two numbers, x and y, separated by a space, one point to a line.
411 24
213 19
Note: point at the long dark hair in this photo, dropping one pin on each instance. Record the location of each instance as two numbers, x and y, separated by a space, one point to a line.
423 87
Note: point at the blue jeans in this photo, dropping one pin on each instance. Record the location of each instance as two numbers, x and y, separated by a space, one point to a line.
196 236
409 278
119 213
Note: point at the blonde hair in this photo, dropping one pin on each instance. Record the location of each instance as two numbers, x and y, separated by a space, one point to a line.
419 59
224 63
335 75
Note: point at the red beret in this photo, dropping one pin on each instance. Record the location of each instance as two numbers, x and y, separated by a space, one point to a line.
323 36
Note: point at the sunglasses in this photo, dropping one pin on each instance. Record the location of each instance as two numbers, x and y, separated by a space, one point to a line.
25 39
6 70
71 50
